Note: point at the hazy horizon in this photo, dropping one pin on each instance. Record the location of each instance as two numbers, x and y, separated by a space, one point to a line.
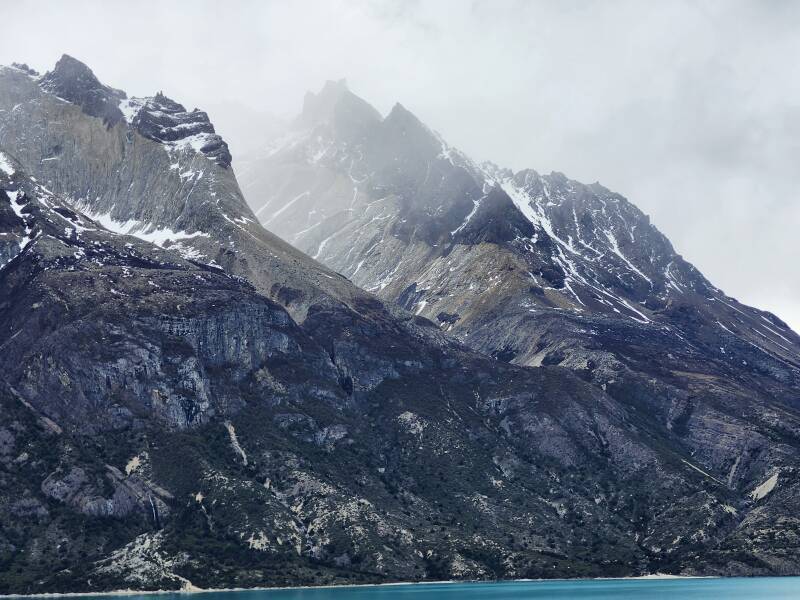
687 109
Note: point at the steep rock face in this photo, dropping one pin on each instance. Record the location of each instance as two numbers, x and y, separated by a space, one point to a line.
72 281
327 173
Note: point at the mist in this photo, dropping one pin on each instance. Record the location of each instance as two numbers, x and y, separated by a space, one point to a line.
689 109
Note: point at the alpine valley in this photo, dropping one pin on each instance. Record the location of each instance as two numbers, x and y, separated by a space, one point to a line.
447 370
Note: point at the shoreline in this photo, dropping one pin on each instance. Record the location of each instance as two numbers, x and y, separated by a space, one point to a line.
193 590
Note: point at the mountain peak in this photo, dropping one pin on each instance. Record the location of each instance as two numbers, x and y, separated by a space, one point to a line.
402 124
73 81
338 85
164 120
399 109
335 105
70 65
403 118
158 117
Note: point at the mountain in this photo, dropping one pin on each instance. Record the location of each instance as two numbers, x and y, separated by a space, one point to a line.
360 191
190 401
535 270
532 269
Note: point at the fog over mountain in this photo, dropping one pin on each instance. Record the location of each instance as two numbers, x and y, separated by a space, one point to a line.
687 108
258 336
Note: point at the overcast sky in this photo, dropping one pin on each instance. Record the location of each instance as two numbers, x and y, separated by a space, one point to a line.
690 109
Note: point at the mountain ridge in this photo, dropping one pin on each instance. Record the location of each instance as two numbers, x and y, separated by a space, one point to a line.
201 404
528 191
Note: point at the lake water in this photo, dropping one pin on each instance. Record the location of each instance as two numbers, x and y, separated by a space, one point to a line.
635 589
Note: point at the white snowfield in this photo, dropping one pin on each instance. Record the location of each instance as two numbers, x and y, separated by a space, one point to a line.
130 107
140 229
5 165
766 487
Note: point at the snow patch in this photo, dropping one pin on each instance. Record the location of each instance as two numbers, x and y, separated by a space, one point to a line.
5 165
260 542
133 465
612 239
130 107
194 142
699 470
468 218
284 207
235 442
765 488
140 229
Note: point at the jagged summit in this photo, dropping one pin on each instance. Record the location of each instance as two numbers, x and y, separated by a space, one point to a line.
158 118
73 81
405 135
588 248
531 268
335 106
158 176
347 118
397 156
162 119
400 112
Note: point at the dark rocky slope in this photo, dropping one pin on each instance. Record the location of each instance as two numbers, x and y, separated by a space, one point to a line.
199 404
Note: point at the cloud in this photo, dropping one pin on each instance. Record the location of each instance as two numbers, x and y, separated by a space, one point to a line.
688 108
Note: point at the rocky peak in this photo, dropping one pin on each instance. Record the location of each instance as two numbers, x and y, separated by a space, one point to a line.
495 171
402 116
587 249
73 81
163 120
158 118
335 106
25 69
407 134
495 219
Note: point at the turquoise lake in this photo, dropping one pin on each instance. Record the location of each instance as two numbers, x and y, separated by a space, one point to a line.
652 589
